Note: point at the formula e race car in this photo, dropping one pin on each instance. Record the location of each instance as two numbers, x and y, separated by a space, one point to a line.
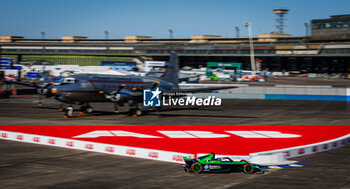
210 164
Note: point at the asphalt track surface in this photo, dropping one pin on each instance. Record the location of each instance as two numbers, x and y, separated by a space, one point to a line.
25 165
24 111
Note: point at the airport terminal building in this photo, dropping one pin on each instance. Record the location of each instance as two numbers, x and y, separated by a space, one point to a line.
327 50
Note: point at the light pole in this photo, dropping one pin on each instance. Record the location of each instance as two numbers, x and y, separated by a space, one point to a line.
307 27
42 35
106 34
251 47
237 31
171 32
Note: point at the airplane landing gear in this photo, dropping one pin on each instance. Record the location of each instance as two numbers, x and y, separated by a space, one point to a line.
135 112
68 112
61 108
116 110
85 109
89 109
136 108
138 112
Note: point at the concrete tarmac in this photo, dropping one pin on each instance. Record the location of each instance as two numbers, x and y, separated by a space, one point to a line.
24 111
25 165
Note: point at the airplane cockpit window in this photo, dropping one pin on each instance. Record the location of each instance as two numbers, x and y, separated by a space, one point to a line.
67 80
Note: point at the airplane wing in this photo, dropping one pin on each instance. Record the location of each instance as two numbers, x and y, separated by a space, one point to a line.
137 95
29 84
123 94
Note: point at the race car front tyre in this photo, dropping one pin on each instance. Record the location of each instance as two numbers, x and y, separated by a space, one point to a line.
197 167
258 170
248 168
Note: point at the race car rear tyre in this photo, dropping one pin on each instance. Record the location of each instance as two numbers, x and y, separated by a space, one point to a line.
197 167
248 168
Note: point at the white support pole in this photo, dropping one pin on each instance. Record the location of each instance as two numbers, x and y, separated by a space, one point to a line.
251 47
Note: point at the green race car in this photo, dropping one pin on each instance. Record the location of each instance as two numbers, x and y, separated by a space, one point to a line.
210 164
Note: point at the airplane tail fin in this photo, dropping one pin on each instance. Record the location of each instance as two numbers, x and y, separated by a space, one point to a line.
171 74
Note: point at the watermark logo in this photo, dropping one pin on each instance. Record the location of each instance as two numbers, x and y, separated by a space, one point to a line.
192 101
152 98
157 98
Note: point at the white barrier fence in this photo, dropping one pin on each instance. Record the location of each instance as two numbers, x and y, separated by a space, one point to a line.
160 155
279 89
267 158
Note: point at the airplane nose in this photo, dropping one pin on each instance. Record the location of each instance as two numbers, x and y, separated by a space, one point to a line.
53 90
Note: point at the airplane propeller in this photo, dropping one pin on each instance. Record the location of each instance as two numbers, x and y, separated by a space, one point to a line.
155 85
114 95
43 90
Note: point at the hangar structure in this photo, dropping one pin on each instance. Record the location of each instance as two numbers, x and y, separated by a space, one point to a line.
277 52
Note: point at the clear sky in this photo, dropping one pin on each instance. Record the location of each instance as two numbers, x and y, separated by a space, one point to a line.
154 18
